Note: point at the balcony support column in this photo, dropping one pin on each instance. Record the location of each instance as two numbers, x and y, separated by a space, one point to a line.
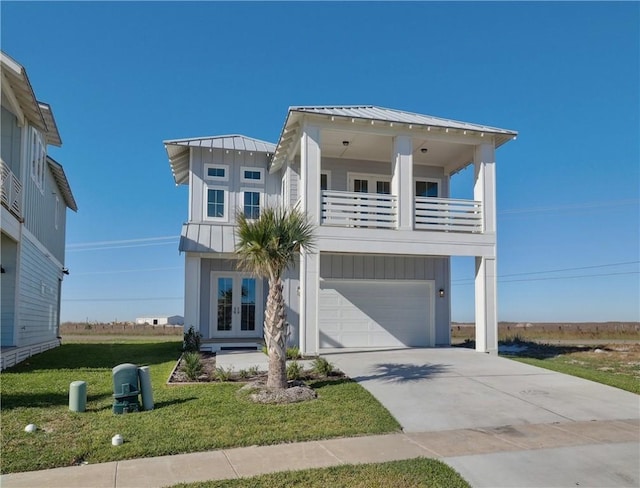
484 190
402 181
310 163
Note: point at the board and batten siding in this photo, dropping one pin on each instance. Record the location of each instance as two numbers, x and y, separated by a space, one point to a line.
235 160
38 295
9 255
45 212
11 138
404 268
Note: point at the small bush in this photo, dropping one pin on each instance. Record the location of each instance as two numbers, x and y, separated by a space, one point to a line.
293 353
322 367
223 374
294 370
191 340
254 371
243 374
192 366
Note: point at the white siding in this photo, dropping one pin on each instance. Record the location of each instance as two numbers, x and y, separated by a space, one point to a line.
8 250
38 296
10 135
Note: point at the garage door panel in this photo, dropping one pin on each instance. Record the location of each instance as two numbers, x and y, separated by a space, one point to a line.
370 313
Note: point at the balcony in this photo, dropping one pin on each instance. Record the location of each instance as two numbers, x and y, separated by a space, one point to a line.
10 191
376 211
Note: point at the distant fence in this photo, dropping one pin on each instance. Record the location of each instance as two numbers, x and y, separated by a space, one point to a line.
75 328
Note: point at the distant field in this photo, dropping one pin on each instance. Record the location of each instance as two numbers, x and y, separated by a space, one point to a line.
121 329
560 331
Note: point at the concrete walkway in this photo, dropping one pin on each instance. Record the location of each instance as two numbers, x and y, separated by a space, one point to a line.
479 454
498 422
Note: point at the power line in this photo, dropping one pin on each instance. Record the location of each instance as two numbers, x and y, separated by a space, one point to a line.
576 206
556 270
137 270
106 248
556 278
125 241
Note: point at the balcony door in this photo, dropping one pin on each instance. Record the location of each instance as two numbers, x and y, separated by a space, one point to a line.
236 305
363 183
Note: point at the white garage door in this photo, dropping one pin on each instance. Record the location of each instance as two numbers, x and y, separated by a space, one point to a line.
366 313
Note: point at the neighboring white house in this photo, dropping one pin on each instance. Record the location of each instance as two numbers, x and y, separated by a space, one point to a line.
376 182
35 195
172 320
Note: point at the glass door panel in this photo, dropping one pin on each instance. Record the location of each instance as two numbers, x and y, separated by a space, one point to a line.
225 304
248 306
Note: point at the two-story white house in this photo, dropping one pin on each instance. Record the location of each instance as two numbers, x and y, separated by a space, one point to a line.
35 194
376 183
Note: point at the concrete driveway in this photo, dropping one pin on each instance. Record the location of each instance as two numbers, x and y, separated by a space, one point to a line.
433 390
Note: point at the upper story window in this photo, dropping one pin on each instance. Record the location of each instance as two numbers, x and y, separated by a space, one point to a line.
37 158
251 175
427 188
251 204
216 172
216 204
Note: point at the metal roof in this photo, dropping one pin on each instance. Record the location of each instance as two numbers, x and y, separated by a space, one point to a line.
62 182
39 114
198 238
178 150
379 114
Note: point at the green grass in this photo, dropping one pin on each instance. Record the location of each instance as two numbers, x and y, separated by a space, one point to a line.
587 371
186 418
614 365
419 472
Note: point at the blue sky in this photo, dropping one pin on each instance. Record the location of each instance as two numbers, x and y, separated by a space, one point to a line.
122 77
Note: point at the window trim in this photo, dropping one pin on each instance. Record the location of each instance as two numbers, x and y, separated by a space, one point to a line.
225 167
56 217
205 199
252 190
248 180
428 180
366 176
37 159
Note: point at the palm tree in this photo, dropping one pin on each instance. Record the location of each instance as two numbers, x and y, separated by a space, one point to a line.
266 247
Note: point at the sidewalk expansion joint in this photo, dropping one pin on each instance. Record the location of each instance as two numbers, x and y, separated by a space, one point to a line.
330 452
224 453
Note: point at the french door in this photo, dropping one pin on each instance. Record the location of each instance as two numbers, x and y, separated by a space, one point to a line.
236 305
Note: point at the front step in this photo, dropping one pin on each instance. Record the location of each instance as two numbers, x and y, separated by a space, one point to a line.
231 346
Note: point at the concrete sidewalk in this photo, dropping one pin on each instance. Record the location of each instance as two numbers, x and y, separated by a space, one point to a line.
477 453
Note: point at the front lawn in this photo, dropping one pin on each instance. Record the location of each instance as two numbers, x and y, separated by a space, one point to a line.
419 472
615 365
185 419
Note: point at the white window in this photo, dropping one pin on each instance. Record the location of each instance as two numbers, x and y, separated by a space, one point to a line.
366 183
251 200
216 203
251 175
216 172
38 157
427 187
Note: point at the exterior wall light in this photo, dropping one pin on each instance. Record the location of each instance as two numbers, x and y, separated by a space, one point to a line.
441 293
2 270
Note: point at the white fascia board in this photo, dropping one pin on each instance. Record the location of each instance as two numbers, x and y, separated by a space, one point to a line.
416 243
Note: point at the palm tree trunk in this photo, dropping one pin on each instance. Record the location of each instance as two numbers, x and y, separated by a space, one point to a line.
274 335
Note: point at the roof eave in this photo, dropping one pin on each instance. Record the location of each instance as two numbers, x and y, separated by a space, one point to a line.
63 183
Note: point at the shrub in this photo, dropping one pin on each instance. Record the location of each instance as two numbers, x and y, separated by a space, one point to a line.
223 374
322 367
191 340
294 370
243 374
254 371
293 353
192 366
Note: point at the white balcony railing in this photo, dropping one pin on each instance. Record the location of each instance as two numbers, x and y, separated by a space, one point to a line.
10 190
449 215
352 209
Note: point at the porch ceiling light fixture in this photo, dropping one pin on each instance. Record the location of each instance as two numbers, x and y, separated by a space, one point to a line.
2 270
345 143
424 150
441 293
